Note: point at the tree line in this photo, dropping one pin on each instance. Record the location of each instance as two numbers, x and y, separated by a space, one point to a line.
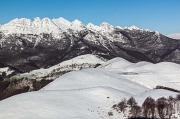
163 108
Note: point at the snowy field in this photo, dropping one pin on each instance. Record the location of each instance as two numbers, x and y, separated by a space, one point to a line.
90 93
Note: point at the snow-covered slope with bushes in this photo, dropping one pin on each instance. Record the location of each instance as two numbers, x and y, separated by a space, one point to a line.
77 63
90 93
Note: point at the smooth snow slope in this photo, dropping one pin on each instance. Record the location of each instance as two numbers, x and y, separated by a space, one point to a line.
118 63
137 77
76 104
151 75
91 78
147 74
90 93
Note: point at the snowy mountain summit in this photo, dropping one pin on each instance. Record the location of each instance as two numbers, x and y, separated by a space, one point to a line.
46 25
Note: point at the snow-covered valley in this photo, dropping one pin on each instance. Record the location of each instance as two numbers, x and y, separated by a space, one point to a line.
90 93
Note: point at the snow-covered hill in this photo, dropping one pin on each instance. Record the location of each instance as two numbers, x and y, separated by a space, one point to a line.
141 76
51 73
90 93
77 63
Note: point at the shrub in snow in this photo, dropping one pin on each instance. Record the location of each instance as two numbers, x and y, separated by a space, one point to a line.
110 113
97 65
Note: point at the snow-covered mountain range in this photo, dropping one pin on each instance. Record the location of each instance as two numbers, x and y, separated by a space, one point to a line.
54 26
40 43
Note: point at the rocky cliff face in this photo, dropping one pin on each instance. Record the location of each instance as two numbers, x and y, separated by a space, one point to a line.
24 50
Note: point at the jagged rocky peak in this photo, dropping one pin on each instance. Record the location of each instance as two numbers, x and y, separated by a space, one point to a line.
21 21
62 24
21 25
56 26
106 26
119 27
43 22
133 27
62 20
37 19
77 23
46 20
157 33
91 26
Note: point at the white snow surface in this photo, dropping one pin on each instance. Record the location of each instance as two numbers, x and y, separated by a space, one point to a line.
55 26
133 27
174 35
26 26
7 70
90 93
116 63
93 27
76 104
91 78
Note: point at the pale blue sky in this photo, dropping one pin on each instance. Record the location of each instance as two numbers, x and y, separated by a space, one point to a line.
156 15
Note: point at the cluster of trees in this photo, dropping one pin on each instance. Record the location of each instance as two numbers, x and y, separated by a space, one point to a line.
163 108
